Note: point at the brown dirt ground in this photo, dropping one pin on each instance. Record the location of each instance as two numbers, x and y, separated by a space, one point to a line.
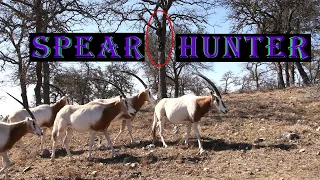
228 140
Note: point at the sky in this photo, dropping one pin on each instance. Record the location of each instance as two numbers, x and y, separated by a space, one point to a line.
9 105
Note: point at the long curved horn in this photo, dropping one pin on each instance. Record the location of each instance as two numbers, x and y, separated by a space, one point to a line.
144 84
96 79
32 116
57 88
211 83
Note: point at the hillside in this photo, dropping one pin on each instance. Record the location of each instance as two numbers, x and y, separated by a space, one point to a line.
229 141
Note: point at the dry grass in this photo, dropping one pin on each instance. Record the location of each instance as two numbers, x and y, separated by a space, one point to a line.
228 140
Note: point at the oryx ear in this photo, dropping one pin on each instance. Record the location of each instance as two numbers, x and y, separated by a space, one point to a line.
120 97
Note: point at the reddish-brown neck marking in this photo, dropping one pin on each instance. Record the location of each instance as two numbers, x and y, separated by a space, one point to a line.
16 132
55 108
203 105
109 113
139 100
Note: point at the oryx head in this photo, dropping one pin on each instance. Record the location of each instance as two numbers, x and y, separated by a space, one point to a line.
31 122
216 96
126 106
150 98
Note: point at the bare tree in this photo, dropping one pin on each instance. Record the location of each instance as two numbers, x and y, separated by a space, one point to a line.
285 16
20 17
227 79
182 13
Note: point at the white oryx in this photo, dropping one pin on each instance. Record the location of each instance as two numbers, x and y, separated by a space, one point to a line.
93 118
187 109
10 133
45 114
137 101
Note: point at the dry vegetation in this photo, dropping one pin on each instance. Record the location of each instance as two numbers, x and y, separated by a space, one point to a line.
228 139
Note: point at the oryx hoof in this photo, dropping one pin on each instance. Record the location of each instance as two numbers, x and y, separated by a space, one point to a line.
202 151
165 145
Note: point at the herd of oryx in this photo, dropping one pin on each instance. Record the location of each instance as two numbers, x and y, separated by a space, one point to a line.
97 115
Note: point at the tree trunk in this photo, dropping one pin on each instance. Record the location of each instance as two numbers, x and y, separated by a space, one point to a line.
226 87
279 75
176 87
303 74
23 84
162 86
256 76
291 74
46 82
286 70
37 89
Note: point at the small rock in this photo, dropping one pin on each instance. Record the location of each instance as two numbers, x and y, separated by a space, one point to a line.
258 140
26 169
318 129
262 129
127 164
236 133
133 165
135 174
93 173
251 173
292 136
205 169
302 150
151 146
318 153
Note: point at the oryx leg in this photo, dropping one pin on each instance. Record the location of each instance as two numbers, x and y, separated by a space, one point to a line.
195 128
129 125
154 126
188 133
6 164
100 142
91 141
66 142
123 125
114 153
56 136
161 126
42 139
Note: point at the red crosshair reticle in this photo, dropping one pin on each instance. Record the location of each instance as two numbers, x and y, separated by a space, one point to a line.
172 39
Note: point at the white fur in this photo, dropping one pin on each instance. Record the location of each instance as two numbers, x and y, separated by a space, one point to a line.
81 118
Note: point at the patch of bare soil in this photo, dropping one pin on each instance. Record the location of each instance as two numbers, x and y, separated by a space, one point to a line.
265 135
